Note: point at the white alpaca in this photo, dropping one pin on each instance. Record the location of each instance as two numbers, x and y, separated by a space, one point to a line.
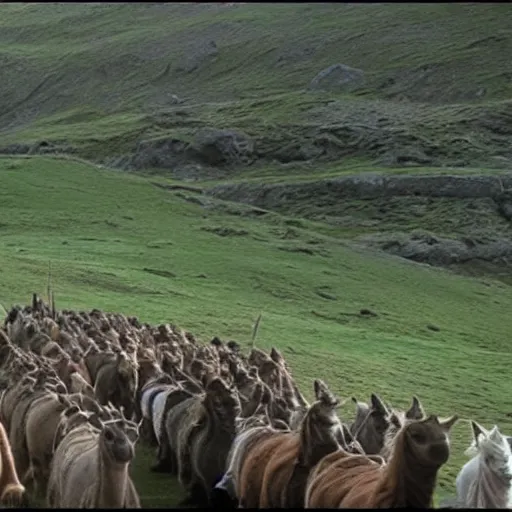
485 481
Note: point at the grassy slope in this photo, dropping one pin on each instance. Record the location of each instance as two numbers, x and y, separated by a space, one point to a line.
100 229
88 74
141 40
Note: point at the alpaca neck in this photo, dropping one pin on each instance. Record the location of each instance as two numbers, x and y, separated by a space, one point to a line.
408 483
149 378
300 397
320 449
93 363
249 408
113 479
288 392
221 424
317 439
490 489
84 372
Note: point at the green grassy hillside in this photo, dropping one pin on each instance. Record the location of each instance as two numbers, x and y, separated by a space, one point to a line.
265 48
133 86
119 243
99 78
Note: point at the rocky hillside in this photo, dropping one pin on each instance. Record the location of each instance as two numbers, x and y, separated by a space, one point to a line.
274 105
462 221
203 89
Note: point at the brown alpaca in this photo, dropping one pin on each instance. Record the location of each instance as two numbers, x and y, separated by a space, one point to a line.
90 468
116 381
250 478
12 493
396 421
13 394
275 470
420 448
40 424
286 472
17 432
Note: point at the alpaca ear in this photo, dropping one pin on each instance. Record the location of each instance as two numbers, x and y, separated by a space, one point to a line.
317 385
448 423
378 404
416 410
395 420
274 354
71 410
478 430
495 433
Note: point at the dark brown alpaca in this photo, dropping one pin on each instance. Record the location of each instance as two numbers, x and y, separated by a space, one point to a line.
370 424
250 430
211 442
115 380
373 421
259 393
166 409
420 448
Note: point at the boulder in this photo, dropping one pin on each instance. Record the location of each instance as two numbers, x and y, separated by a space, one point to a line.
222 147
338 77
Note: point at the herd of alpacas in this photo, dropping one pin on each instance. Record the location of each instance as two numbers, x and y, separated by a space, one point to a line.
79 391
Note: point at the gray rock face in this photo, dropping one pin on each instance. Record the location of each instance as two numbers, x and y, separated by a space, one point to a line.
197 57
218 147
416 246
298 152
164 153
190 160
439 251
338 77
37 148
16 149
367 187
